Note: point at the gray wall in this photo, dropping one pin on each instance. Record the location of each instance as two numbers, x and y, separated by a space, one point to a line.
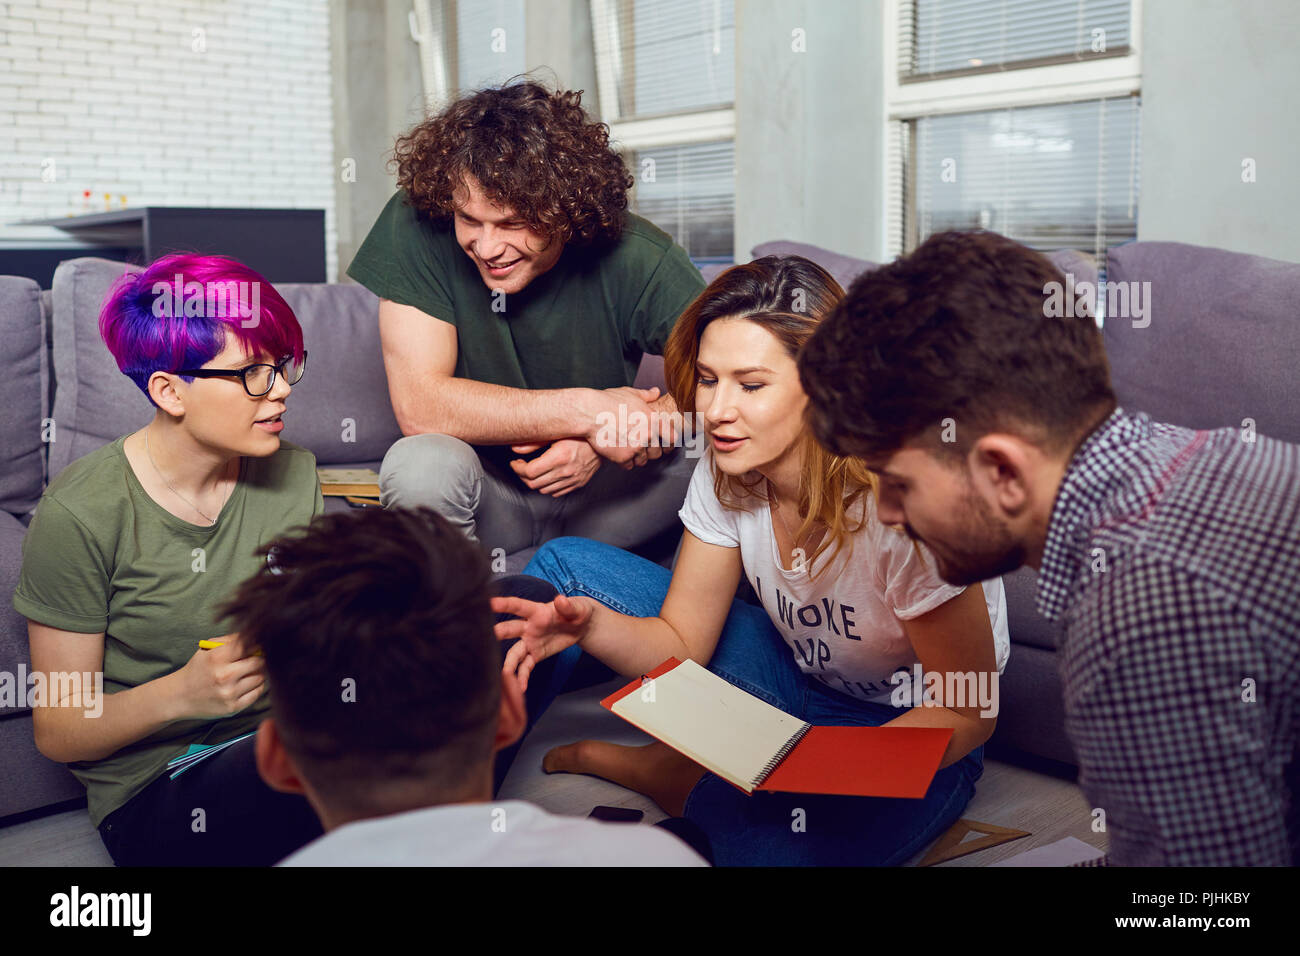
810 126
559 46
378 94
1221 82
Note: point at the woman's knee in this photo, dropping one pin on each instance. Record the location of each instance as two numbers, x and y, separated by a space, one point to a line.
564 561
550 561
619 579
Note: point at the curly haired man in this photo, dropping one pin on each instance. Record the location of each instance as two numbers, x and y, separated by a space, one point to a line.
517 297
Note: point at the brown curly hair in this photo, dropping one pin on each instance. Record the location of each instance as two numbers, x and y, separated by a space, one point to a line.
531 149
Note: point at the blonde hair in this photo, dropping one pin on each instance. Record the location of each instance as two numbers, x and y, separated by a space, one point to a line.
787 296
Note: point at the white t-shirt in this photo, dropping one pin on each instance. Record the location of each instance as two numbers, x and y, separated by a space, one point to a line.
495 833
844 627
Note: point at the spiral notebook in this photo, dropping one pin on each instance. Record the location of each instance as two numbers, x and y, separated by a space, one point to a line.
755 746
200 752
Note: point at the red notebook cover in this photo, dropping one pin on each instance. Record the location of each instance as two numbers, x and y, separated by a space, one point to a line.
848 761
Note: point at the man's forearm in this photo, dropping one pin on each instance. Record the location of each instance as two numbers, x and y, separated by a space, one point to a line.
484 414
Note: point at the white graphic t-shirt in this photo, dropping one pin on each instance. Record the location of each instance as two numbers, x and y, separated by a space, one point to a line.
845 626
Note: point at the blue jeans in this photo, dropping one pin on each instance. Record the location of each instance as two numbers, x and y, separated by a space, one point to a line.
771 829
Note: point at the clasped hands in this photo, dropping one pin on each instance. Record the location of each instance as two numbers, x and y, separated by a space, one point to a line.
627 430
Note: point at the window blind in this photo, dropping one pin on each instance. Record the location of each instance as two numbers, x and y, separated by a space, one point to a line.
689 192
954 36
899 187
489 42
669 56
1063 176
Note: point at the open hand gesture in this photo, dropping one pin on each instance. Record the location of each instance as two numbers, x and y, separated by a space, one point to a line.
543 630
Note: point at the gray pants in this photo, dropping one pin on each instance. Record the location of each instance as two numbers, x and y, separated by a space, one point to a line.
622 508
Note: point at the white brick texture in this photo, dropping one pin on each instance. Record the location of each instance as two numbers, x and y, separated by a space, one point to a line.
168 102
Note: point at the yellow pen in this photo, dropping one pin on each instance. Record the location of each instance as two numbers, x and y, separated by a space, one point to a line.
209 645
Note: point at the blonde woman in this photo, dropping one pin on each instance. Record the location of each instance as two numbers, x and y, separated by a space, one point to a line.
846 601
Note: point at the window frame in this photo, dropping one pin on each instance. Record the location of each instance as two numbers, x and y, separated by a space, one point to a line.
631 135
661 129
919 97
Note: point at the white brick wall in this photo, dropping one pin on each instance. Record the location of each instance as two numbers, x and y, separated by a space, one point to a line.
128 99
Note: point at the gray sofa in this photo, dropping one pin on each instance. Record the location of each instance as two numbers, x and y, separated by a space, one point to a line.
1216 352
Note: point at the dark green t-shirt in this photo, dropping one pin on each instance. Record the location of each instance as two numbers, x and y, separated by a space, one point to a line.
584 323
101 555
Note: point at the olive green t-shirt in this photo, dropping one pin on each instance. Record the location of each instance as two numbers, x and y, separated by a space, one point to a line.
584 323
102 556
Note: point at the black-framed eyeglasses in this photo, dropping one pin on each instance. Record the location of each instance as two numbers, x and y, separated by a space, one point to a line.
258 379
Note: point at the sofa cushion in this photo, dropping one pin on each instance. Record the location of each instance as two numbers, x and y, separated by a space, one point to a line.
650 374
844 268
340 410
31 780
1031 709
713 270
1081 266
847 268
94 402
1218 344
14 649
23 390
1024 622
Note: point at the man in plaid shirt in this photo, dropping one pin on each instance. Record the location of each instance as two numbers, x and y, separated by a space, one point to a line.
1171 555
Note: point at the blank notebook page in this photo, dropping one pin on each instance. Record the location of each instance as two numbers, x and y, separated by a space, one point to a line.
719 726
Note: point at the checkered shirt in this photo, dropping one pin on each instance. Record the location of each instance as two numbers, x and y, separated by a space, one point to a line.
1173 560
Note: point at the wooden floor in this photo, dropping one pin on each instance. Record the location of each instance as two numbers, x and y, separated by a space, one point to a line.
1007 795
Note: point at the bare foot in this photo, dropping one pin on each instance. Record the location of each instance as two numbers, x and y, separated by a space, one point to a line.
656 770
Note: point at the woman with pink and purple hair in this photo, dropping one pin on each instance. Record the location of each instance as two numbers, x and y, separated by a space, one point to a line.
134 545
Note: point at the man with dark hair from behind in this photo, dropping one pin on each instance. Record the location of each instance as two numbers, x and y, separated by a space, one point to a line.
388 701
1171 555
